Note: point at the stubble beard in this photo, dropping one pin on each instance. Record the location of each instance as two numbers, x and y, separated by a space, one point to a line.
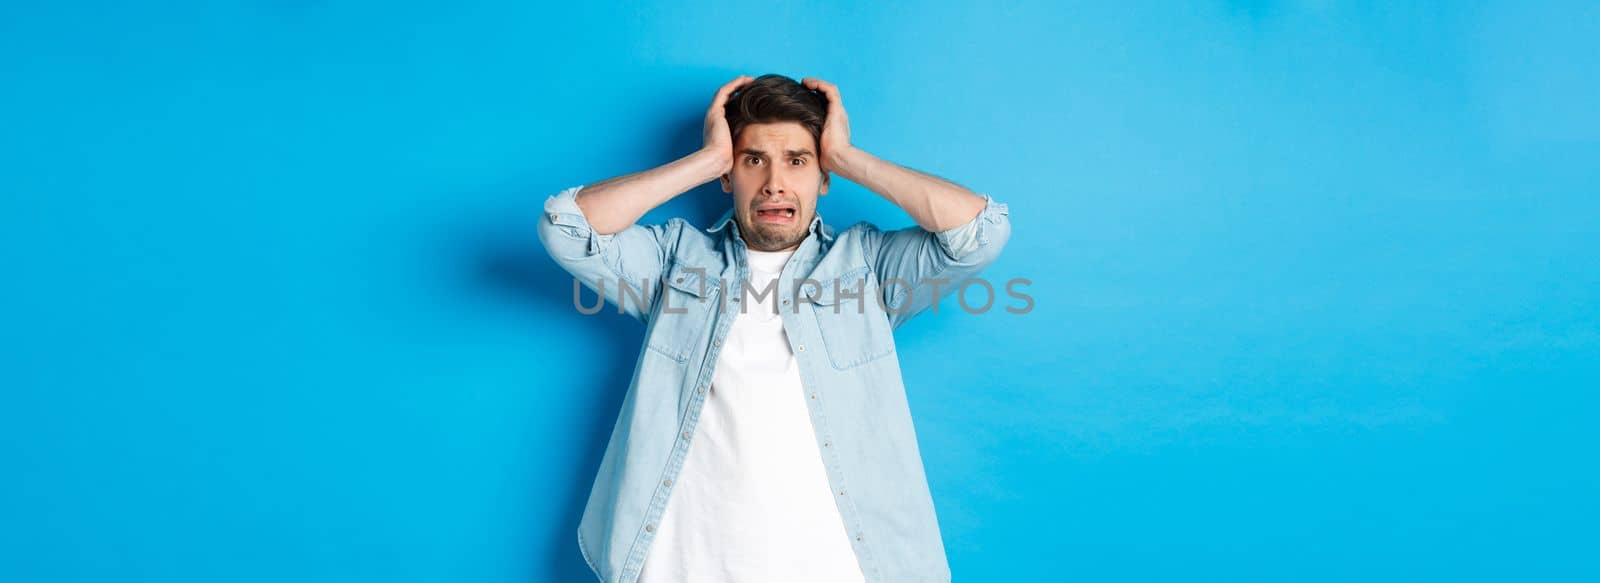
772 238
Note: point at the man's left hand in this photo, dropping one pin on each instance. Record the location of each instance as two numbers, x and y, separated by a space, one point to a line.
836 130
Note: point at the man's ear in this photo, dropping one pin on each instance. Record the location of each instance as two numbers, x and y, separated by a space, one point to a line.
824 189
727 185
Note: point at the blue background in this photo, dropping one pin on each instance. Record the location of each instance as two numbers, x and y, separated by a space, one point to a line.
1317 290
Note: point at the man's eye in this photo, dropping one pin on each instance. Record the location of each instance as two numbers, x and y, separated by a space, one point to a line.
752 159
802 161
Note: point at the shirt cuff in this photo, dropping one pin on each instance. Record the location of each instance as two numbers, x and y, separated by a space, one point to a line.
961 241
562 210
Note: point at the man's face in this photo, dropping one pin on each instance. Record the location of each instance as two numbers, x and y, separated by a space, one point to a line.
775 171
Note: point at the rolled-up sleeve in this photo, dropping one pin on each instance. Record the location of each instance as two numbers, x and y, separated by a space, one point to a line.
607 263
562 213
986 232
911 261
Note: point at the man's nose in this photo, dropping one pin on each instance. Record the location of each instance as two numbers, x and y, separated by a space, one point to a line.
771 188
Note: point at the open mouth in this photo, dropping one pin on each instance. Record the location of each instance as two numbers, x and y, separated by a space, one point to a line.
775 215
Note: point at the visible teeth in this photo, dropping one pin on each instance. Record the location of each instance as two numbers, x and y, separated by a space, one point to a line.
788 212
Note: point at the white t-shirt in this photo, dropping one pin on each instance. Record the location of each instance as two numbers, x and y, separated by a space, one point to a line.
752 502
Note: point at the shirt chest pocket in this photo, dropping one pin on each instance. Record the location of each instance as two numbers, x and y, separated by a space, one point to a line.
684 311
854 326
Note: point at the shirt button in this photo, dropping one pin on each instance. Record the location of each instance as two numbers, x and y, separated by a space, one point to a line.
679 280
813 395
802 348
702 389
786 301
716 343
667 482
649 528
858 537
827 443
686 435
841 492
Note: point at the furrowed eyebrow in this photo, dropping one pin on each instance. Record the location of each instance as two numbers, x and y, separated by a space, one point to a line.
763 153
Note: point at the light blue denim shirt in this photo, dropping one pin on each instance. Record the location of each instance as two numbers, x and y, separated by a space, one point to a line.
684 282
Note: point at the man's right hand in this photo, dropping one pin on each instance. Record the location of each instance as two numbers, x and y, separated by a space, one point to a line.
719 139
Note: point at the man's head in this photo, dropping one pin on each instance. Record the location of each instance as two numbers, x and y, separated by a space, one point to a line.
776 124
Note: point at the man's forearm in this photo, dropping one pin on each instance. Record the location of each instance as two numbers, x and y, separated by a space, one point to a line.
614 204
934 203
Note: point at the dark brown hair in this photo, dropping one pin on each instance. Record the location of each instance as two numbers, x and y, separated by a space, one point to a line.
773 98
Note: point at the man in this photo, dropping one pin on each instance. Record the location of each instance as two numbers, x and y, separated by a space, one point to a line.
765 436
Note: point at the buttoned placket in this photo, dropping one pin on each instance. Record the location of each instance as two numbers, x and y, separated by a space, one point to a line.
680 450
819 421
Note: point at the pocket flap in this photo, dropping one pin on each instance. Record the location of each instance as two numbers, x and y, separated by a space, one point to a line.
848 286
693 280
